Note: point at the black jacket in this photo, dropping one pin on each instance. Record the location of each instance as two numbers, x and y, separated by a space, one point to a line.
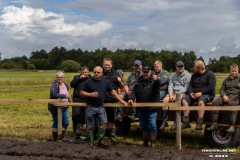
146 91
204 83
112 78
77 84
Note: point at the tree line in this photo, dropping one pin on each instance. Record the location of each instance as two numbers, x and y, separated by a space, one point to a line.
122 59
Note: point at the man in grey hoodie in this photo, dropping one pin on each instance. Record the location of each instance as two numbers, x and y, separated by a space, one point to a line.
179 82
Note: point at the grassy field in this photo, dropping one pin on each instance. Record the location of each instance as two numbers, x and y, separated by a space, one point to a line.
33 121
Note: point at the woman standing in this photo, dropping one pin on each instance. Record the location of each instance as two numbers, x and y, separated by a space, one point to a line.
59 89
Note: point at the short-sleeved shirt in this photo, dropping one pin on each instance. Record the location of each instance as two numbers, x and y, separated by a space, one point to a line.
100 86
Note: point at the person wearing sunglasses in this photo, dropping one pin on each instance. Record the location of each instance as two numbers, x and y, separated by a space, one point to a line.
94 89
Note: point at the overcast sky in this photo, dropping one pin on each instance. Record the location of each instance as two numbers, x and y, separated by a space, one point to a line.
211 28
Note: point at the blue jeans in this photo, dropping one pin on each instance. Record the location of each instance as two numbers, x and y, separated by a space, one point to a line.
65 118
162 94
147 119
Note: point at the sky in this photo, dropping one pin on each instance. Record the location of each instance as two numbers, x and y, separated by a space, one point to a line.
210 28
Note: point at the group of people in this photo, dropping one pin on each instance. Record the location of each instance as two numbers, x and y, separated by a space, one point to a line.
142 85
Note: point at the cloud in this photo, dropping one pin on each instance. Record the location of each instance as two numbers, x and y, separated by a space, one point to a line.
224 47
26 21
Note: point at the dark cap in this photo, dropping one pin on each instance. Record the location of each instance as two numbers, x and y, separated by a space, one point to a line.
120 71
179 63
146 68
138 62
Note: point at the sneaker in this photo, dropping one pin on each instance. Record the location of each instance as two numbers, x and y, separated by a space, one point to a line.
132 118
173 128
185 125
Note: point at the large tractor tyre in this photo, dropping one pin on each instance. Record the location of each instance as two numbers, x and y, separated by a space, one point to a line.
123 128
221 138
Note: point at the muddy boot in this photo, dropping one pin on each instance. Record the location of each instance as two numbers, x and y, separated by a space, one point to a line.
233 117
63 136
55 136
112 135
199 124
153 137
101 134
91 138
185 122
214 126
173 128
164 123
145 137
78 131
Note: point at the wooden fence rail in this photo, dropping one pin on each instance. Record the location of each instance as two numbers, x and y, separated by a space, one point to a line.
175 106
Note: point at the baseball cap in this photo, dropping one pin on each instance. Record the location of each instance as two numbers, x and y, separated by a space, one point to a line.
120 71
179 63
146 68
138 62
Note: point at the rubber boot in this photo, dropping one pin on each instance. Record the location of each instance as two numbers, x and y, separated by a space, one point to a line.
145 137
63 135
112 134
78 131
55 136
233 117
153 137
173 128
185 122
164 122
101 134
91 138
214 126
199 124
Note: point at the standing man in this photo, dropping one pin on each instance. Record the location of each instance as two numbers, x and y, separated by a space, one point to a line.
132 79
95 90
112 76
201 90
78 113
229 94
147 90
163 77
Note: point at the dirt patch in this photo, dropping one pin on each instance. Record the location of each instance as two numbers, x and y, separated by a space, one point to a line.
22 150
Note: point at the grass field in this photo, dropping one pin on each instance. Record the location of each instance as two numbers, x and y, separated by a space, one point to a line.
33 121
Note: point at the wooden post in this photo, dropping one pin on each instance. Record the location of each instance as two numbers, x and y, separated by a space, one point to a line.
59 122
178 123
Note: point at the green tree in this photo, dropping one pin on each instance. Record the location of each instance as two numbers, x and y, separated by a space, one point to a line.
70 66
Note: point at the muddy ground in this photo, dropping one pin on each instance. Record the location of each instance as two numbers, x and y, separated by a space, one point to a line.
73 150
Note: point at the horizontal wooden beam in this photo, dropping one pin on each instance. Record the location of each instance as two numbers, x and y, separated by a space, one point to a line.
156 104
29 100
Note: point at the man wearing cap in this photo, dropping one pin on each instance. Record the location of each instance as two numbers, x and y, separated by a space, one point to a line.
131 81
146 90
179 82
201 90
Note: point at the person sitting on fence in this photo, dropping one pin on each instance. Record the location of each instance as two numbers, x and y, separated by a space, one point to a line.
163 77
179 82
59 89
94 89
130 82
146 90
78 113
229 94
201 90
